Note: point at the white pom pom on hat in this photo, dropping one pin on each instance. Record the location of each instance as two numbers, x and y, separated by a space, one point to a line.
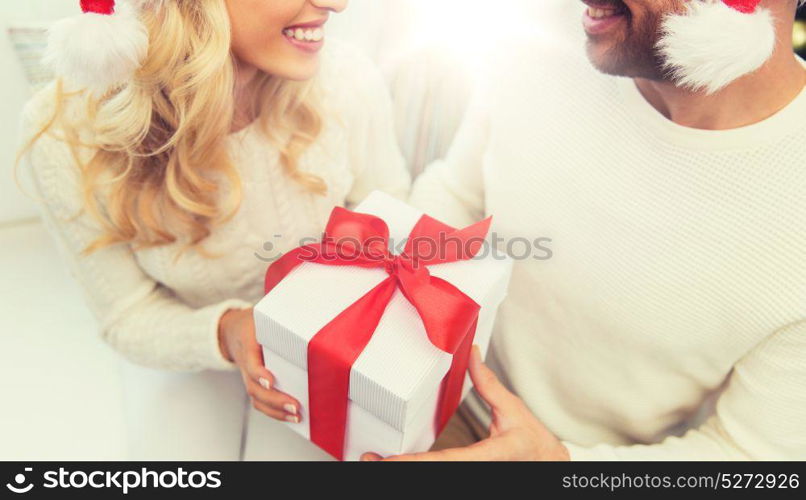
101 48
715 42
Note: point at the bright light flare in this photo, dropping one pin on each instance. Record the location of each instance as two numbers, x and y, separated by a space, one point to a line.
470 29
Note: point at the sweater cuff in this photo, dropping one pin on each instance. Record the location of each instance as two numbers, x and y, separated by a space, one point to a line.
599 453
215 358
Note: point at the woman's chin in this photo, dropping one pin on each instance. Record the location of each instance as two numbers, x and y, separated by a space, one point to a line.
296 72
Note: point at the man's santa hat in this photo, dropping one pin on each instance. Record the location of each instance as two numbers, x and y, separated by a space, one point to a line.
101 48
715 42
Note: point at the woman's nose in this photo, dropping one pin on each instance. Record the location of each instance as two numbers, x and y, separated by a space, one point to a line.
334 5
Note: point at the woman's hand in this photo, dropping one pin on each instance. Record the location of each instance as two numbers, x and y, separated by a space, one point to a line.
236 337
515 433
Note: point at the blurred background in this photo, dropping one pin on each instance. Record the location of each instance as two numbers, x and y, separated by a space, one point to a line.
59 384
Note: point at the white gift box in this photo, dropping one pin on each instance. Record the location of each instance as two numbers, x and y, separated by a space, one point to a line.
395 382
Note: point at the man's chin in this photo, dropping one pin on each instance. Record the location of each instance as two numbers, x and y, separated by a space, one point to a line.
603 59
609 60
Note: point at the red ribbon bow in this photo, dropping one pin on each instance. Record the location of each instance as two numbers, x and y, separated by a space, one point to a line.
449 316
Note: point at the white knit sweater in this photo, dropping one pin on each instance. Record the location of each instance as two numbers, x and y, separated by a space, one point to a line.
678 275
164 313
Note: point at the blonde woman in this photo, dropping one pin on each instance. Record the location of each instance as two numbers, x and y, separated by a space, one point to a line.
229 143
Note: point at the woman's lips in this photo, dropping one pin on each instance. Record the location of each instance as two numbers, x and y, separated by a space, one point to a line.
600 18
305 38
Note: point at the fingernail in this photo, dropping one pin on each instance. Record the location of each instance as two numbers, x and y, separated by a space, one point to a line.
288 407
264 383
292 418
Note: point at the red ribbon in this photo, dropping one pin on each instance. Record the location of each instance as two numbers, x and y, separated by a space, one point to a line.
449 316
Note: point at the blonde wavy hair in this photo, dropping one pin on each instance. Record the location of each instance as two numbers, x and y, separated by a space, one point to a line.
160 172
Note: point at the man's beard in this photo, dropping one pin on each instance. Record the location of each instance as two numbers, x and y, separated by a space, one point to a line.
635 55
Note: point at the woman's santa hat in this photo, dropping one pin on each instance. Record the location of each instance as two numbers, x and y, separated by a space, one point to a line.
715 42
101 48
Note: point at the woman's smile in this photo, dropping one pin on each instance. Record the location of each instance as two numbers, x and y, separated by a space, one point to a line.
308 37
282 38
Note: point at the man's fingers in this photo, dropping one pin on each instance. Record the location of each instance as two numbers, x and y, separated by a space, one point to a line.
429 456
487 450
487 384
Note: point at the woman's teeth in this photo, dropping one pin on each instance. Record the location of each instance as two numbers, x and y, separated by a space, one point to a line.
595 13
305 35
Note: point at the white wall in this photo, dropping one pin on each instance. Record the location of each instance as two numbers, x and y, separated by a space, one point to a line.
15 91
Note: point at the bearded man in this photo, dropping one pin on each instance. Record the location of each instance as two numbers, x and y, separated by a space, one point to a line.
668 167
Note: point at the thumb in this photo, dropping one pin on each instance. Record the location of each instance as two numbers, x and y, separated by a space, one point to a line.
371 457
487 384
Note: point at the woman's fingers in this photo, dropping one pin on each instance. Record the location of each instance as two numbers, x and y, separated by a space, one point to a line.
259 383
271 398
253 364
255 370
271 411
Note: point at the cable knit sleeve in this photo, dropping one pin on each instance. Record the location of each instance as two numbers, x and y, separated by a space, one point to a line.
759 416
137 316
452 189
375 157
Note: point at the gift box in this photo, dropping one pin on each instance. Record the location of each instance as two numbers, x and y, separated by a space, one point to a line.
371 328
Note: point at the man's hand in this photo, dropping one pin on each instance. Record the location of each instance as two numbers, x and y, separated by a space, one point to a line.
515 433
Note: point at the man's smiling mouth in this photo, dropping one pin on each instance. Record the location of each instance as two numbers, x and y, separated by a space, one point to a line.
603 15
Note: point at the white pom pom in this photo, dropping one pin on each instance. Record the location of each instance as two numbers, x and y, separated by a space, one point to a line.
713 45
96 51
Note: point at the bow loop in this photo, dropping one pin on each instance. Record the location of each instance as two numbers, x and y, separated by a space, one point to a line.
433 242
361 230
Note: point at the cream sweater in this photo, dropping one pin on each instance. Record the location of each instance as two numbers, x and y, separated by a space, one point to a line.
670 322
164 313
